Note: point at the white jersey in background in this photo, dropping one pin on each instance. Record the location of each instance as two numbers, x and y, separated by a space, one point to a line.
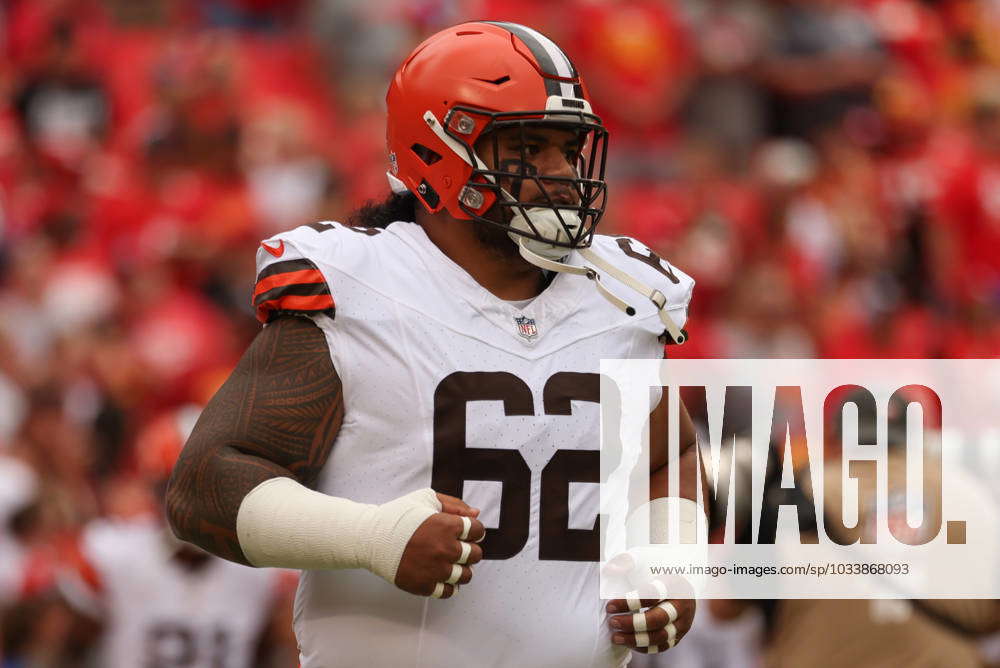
448 386
159 614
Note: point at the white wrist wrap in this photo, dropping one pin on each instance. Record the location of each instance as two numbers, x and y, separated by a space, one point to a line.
664 531
282 523
658 516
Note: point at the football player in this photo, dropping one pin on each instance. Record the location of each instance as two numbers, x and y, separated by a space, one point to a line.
155 601
425 396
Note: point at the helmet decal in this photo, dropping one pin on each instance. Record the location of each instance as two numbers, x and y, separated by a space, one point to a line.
551 60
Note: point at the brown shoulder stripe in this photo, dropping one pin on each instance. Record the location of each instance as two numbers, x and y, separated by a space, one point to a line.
285 266
292 287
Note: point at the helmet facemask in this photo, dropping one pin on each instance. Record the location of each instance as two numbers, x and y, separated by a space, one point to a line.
563 211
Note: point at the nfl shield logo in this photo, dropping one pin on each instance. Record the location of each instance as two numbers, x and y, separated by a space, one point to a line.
526 327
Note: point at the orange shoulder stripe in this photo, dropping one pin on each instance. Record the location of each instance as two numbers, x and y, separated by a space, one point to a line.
294 303
288 278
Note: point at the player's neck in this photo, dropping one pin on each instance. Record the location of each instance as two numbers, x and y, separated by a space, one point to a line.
508 277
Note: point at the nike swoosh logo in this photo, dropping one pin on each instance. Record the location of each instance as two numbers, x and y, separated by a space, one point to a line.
277 251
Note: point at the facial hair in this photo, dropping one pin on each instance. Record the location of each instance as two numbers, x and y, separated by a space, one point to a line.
494 238
498 243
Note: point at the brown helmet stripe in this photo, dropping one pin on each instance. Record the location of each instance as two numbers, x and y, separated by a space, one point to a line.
551 59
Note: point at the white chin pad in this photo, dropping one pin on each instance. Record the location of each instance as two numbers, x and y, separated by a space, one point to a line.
546 222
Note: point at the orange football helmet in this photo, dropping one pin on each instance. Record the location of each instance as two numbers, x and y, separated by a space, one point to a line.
475 78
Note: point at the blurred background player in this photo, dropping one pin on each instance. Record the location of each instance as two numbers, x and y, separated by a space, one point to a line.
161 602
935 632
832 633
125 592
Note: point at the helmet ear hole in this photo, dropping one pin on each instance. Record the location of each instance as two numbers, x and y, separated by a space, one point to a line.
428 195
426 155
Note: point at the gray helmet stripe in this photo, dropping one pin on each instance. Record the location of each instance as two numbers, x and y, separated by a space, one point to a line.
550 58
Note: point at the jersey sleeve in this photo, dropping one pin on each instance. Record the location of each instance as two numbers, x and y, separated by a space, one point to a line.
290 280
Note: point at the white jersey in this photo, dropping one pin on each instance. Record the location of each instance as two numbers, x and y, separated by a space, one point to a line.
158 613
448 386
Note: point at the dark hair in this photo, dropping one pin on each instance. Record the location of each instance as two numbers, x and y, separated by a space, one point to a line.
380 214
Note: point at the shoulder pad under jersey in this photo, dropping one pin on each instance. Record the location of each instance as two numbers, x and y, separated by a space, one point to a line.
639 261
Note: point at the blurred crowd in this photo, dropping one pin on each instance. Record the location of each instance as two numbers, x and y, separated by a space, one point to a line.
827 170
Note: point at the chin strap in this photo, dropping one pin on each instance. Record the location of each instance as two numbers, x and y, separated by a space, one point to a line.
655 296
658 298
551 265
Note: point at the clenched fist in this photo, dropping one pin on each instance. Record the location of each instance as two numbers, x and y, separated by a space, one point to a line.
441 551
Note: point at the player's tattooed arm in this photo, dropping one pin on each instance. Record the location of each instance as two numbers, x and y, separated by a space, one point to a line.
688 463
277 415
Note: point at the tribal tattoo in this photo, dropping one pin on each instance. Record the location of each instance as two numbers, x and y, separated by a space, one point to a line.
276 416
